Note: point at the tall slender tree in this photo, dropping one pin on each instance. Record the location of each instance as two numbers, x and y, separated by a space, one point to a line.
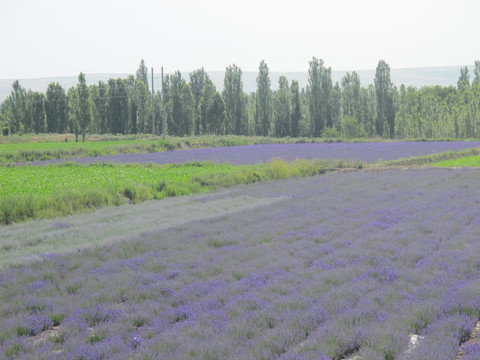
206 99
282 108
296 109
56 108
463 82
318 92
476 73
235 101
18 107
117 106
263 104
84 114
198 79
142 73
100 106
180 106
351 95
37 111
385 108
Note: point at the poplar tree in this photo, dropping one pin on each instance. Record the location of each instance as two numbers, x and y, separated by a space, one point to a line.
142 73
198 79
117 106
56 108
235 101
208 91
37 111
100 106
476 73
384 123
463 82
180 106
84 109
282 108
319 89
217 114
263 103
18 108
351 95
314 94
296 109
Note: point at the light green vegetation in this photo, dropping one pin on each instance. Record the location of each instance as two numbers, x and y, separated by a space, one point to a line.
27 180
45 192
432 159
58 150
469 161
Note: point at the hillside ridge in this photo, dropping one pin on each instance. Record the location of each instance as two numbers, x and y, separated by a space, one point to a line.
418 77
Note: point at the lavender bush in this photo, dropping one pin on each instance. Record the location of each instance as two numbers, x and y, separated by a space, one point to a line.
342 265
250 154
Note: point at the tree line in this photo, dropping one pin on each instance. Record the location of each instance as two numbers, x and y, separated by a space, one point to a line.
321 109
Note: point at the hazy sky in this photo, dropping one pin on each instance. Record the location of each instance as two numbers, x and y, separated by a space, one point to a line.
40 38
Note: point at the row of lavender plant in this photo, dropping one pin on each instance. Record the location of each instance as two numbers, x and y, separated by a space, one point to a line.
350 264
250 154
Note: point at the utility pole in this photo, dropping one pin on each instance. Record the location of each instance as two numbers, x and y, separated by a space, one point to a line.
153 108
163 108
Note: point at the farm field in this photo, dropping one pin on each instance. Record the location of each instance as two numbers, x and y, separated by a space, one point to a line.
42 147
29 192
369 152
467 161
336 266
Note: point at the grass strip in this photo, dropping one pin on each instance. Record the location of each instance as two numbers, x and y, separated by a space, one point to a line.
468 161
30 192
429 160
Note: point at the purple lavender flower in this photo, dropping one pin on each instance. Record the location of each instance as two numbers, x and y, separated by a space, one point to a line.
37 323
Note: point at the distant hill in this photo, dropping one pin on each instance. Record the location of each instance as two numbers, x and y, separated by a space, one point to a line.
426 76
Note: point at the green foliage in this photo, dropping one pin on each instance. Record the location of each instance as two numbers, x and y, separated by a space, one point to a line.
56 109
263 101
13 350
56 318
180 106
282 108
45 192
384 123
235 102
351 129
468 161
434 158
125 106
296 109
330 133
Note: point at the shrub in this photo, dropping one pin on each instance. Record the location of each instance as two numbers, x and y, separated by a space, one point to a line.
330 133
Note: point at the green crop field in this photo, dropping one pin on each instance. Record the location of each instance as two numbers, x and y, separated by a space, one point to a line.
64 150
29 192
468 161
28 180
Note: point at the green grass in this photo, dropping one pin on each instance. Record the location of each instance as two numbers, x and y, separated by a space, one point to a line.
30 192
468 161
430 160
26 180
66 150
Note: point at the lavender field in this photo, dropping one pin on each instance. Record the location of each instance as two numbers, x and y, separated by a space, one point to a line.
368 152
337 266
